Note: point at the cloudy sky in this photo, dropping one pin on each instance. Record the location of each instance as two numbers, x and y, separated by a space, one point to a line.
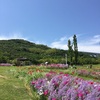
52 22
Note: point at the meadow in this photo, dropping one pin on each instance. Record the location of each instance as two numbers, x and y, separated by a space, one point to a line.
31 82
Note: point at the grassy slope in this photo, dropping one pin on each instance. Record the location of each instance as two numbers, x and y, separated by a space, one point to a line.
11 88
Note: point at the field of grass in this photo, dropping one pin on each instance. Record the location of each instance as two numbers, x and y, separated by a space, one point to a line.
12 88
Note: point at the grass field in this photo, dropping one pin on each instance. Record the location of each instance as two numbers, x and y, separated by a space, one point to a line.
12 88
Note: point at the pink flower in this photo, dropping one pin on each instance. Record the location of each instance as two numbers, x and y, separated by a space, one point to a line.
61 73
56 84
66 75
48 74
99 88
60 77
80 94
65 82
45 92
33 82
91 82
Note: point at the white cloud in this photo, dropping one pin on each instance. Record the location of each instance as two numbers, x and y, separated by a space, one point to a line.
90 48
63 38
60 44
13 35
89 45
39 42
97 36
95 39
71 38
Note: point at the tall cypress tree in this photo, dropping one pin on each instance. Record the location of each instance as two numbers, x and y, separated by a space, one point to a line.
75 48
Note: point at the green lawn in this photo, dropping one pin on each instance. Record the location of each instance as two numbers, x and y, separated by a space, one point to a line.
11 88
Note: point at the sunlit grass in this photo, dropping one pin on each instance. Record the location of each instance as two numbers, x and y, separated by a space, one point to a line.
11 88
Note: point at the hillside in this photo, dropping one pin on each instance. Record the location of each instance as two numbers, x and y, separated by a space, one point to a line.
12 49
16 48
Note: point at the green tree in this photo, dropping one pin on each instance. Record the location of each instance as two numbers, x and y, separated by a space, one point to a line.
75 48
3 59
70 50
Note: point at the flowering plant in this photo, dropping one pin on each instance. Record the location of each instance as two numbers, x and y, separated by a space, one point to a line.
66 87
57 66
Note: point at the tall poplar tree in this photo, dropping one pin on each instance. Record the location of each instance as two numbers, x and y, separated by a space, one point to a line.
75 48
70 50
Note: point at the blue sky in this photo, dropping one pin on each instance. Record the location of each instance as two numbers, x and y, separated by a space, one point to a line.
52 22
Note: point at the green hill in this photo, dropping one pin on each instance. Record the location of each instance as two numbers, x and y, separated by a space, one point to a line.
16 48
12 49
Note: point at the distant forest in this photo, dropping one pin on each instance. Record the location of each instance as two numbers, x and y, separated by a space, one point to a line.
18 51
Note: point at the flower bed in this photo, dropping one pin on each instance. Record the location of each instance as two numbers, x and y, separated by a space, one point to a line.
60 86
66 87
92 74
5 64
57 66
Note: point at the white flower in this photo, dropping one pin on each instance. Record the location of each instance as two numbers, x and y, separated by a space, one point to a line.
48 82
40 92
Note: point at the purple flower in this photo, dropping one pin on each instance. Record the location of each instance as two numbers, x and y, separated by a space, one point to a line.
66 87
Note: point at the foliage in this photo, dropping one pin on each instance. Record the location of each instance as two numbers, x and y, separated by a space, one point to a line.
75 48
70 50
12 49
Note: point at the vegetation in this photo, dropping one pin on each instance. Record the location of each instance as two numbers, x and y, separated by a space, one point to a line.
11 50
70 51
75 49
12 88
15 81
